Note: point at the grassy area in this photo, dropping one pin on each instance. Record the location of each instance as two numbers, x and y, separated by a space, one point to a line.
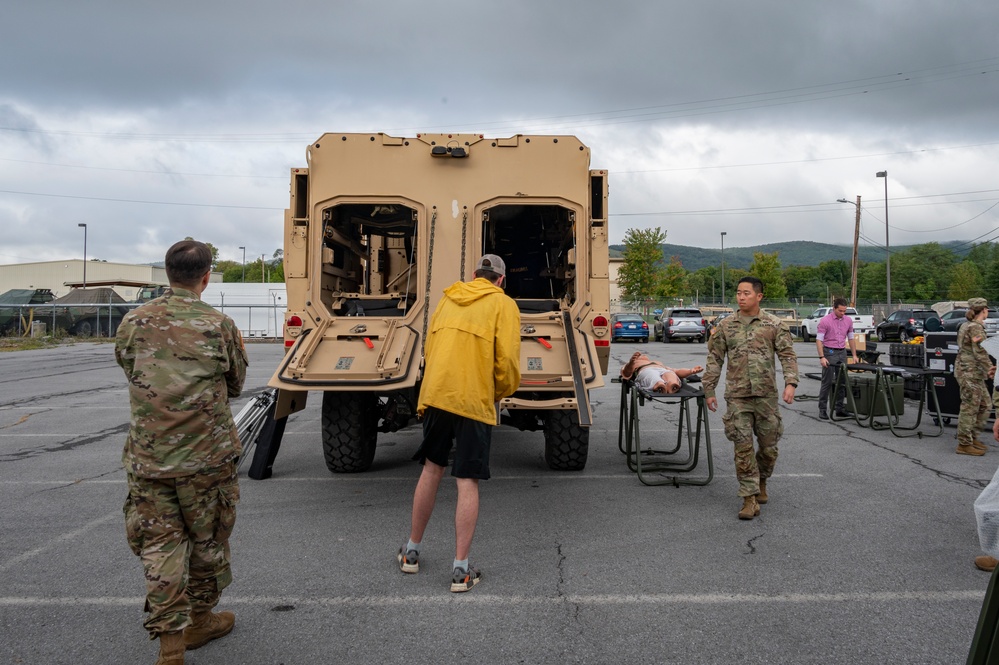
16 343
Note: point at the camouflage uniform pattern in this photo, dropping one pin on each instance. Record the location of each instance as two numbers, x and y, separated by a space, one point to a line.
971 371
183 361
180 528
751 344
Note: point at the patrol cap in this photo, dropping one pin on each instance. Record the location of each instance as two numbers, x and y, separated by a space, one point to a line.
493 263
975 303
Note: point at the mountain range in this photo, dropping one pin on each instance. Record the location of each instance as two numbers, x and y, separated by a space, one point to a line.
793 253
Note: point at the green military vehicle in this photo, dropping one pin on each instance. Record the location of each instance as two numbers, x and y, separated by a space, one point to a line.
379 226
93 312
16 312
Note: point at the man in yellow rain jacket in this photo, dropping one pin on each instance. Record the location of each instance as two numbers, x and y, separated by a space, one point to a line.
472 362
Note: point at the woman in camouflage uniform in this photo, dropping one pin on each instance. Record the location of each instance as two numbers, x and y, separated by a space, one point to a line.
971 369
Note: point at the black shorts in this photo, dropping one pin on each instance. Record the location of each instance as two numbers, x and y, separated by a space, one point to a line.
441 429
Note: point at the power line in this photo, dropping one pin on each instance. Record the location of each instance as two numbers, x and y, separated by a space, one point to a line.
164 203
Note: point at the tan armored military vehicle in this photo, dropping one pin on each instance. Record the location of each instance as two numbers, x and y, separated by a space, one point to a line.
379 226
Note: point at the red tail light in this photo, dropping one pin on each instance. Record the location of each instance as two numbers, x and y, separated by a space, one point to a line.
704 322
645 326
619 325
599 321
295 321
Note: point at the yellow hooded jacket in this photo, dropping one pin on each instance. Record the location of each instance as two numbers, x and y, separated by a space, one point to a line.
472 351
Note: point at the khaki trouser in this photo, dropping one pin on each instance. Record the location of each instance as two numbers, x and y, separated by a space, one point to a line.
744 417
180 528
975 407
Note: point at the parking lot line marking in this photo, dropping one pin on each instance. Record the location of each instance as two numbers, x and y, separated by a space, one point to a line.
373 478
72 535
956 595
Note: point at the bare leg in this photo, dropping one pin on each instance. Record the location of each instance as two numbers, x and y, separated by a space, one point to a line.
465 516
424 498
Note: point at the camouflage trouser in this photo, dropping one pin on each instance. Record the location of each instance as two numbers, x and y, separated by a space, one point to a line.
180 529
747 416
975 407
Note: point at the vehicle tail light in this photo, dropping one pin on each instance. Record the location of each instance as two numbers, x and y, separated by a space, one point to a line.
645 326
295 321
289 343
704 322
619 325
599 321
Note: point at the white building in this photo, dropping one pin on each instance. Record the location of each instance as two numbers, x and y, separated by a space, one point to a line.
61 276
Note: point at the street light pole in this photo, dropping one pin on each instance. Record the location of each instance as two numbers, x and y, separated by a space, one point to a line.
723 234
884 174
856 242
84 254
262 268
244 263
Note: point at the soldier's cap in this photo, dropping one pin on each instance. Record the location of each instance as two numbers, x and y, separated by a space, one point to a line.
492 263
974 303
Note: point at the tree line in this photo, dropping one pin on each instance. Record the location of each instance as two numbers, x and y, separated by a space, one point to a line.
924 273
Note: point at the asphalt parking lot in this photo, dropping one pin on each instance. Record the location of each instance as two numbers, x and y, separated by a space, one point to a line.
863 555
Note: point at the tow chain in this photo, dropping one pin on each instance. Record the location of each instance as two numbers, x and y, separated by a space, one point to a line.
464 225
426 295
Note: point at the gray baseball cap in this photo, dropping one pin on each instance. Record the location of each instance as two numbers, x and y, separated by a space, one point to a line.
492 263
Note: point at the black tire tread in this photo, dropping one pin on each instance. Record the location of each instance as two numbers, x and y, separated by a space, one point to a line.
566 443
350 431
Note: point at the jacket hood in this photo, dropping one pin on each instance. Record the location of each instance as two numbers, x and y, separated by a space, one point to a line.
465 293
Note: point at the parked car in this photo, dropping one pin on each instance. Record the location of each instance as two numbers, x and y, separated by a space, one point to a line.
681 323
904 324
953 319
629 326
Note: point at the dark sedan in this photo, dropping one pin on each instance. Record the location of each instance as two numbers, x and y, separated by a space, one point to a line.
629 326
905 324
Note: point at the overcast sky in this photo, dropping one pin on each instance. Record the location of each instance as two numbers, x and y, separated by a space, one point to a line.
154 121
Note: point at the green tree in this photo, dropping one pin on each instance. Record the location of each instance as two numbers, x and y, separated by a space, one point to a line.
921 273
674 280
703 284
641 273
232 271
796 277
965 281
767 268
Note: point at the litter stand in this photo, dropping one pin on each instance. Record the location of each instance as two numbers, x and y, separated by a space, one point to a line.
650 461
880 391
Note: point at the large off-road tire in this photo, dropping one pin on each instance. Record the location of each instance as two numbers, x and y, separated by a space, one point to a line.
566 443
350 431
805 337
85 328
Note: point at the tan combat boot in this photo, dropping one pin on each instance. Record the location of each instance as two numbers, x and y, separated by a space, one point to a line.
986 563
968 449
978 444
171 649
750 508
207 626
762 497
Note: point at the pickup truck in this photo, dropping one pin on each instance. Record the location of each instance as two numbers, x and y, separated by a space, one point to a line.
862 324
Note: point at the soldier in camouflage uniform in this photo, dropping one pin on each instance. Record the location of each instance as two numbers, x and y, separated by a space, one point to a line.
750 339
183 360
971 369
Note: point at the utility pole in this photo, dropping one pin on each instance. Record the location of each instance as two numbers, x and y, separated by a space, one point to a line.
856 242
853 269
